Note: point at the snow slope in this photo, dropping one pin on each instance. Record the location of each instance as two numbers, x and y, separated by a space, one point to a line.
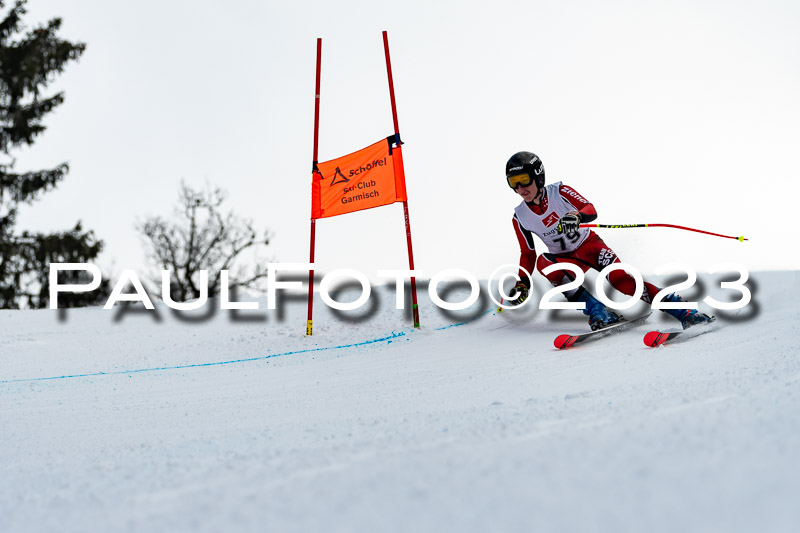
133 421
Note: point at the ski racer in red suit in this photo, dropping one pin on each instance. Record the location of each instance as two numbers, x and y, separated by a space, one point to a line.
554 213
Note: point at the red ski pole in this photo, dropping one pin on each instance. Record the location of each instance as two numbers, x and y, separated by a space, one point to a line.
615 226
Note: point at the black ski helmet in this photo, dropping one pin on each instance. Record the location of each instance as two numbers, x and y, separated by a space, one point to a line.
528 163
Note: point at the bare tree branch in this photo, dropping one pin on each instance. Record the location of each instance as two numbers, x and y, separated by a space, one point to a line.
202 237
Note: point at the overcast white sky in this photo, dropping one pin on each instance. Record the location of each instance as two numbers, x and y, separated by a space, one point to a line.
683 112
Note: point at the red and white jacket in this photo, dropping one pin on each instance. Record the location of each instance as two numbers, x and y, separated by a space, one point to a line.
542 220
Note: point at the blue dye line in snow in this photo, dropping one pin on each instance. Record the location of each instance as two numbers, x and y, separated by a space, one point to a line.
464 323
388 340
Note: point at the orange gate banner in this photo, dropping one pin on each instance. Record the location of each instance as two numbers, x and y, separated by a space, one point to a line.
369 178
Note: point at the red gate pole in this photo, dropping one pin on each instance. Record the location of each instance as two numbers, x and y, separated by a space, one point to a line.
309 321
415 307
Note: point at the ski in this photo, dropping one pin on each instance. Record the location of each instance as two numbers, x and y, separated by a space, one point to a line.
566 341
657 338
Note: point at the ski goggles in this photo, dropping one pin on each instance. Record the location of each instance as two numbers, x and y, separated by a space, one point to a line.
523 179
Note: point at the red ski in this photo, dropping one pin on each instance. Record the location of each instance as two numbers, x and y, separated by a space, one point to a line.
567 341
657 338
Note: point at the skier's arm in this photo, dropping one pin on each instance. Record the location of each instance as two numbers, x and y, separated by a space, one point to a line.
585 210
527 255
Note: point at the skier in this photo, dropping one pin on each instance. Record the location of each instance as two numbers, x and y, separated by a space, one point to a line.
554 213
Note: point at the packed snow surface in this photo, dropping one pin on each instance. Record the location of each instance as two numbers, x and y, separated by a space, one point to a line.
126 420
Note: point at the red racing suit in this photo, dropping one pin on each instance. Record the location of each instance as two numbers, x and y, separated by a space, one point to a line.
583 248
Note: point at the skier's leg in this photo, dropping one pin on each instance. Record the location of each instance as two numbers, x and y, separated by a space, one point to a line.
559 277
597 254
595 248
599 315
624 283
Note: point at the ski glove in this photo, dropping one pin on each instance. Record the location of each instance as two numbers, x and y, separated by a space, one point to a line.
518 294
569 223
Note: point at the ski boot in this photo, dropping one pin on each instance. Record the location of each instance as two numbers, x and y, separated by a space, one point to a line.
599 316
688 317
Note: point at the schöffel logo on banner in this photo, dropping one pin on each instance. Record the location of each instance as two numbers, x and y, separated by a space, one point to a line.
551 219
338 177
363 169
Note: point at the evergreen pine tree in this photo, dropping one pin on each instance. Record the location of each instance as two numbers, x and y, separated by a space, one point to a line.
29 61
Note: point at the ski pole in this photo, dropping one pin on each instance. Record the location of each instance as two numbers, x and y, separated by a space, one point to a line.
614 226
